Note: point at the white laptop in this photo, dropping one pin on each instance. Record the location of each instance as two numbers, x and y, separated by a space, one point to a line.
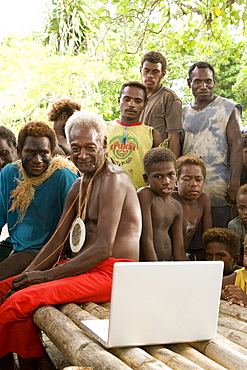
159 303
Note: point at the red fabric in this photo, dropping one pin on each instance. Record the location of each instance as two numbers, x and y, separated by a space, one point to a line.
19 334
128 124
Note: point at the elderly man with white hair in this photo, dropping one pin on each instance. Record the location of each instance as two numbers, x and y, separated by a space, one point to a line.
103 205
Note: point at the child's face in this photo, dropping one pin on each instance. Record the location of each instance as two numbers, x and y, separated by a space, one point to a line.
216 251
190 182
242 207
161 178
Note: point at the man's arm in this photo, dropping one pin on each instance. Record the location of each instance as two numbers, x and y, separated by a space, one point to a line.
101 248
176 234
147 242
234 139
157 138
173 119
174 143
207 216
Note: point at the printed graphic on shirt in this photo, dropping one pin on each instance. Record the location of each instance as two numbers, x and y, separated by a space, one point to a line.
122 151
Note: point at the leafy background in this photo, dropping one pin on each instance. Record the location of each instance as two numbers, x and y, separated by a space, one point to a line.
88 50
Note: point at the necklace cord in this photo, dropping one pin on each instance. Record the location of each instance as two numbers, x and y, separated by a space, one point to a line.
81 212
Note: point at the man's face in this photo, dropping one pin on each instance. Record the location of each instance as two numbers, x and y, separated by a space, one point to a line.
161 178
216 251
36 155
202 84
8 154
151 74
131 104
87 149
190 182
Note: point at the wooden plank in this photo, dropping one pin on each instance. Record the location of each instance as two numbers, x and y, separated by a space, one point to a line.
77 347
233 310
135 357
223 353
185 350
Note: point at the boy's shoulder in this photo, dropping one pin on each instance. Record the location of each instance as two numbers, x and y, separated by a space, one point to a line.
145 191
174 202
204 196
235 221
203 199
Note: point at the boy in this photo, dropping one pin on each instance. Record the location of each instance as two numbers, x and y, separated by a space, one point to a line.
222 244
196 204
239 223
162 233
234 288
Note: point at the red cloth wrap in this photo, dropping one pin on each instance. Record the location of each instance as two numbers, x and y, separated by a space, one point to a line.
19 334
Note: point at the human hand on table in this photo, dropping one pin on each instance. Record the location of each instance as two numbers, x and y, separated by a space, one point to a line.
234 294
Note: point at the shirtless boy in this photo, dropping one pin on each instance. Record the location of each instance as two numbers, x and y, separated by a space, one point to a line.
196 204
162 233
234 287
113 228
222 244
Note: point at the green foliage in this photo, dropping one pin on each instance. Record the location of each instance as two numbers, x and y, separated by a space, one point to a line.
89 50
66 26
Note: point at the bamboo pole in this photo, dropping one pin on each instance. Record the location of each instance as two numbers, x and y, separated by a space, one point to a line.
234 335
232 323
222 352
233 310
135 357
96 310
75 313
171 359
232 345
106 305
185 350
76 346
138 359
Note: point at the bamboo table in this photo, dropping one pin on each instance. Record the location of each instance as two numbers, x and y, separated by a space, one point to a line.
228 351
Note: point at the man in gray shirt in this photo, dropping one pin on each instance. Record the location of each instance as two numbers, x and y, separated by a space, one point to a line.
164 109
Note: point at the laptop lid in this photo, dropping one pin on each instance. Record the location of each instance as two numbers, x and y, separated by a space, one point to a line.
163 302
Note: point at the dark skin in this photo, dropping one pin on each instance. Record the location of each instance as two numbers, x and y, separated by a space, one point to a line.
35 156
162 235
105 223
152 74
202 83
132 104
58 126
196 204
8 153
217 251
231 292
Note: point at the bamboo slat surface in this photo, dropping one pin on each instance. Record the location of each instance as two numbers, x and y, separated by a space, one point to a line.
227 351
